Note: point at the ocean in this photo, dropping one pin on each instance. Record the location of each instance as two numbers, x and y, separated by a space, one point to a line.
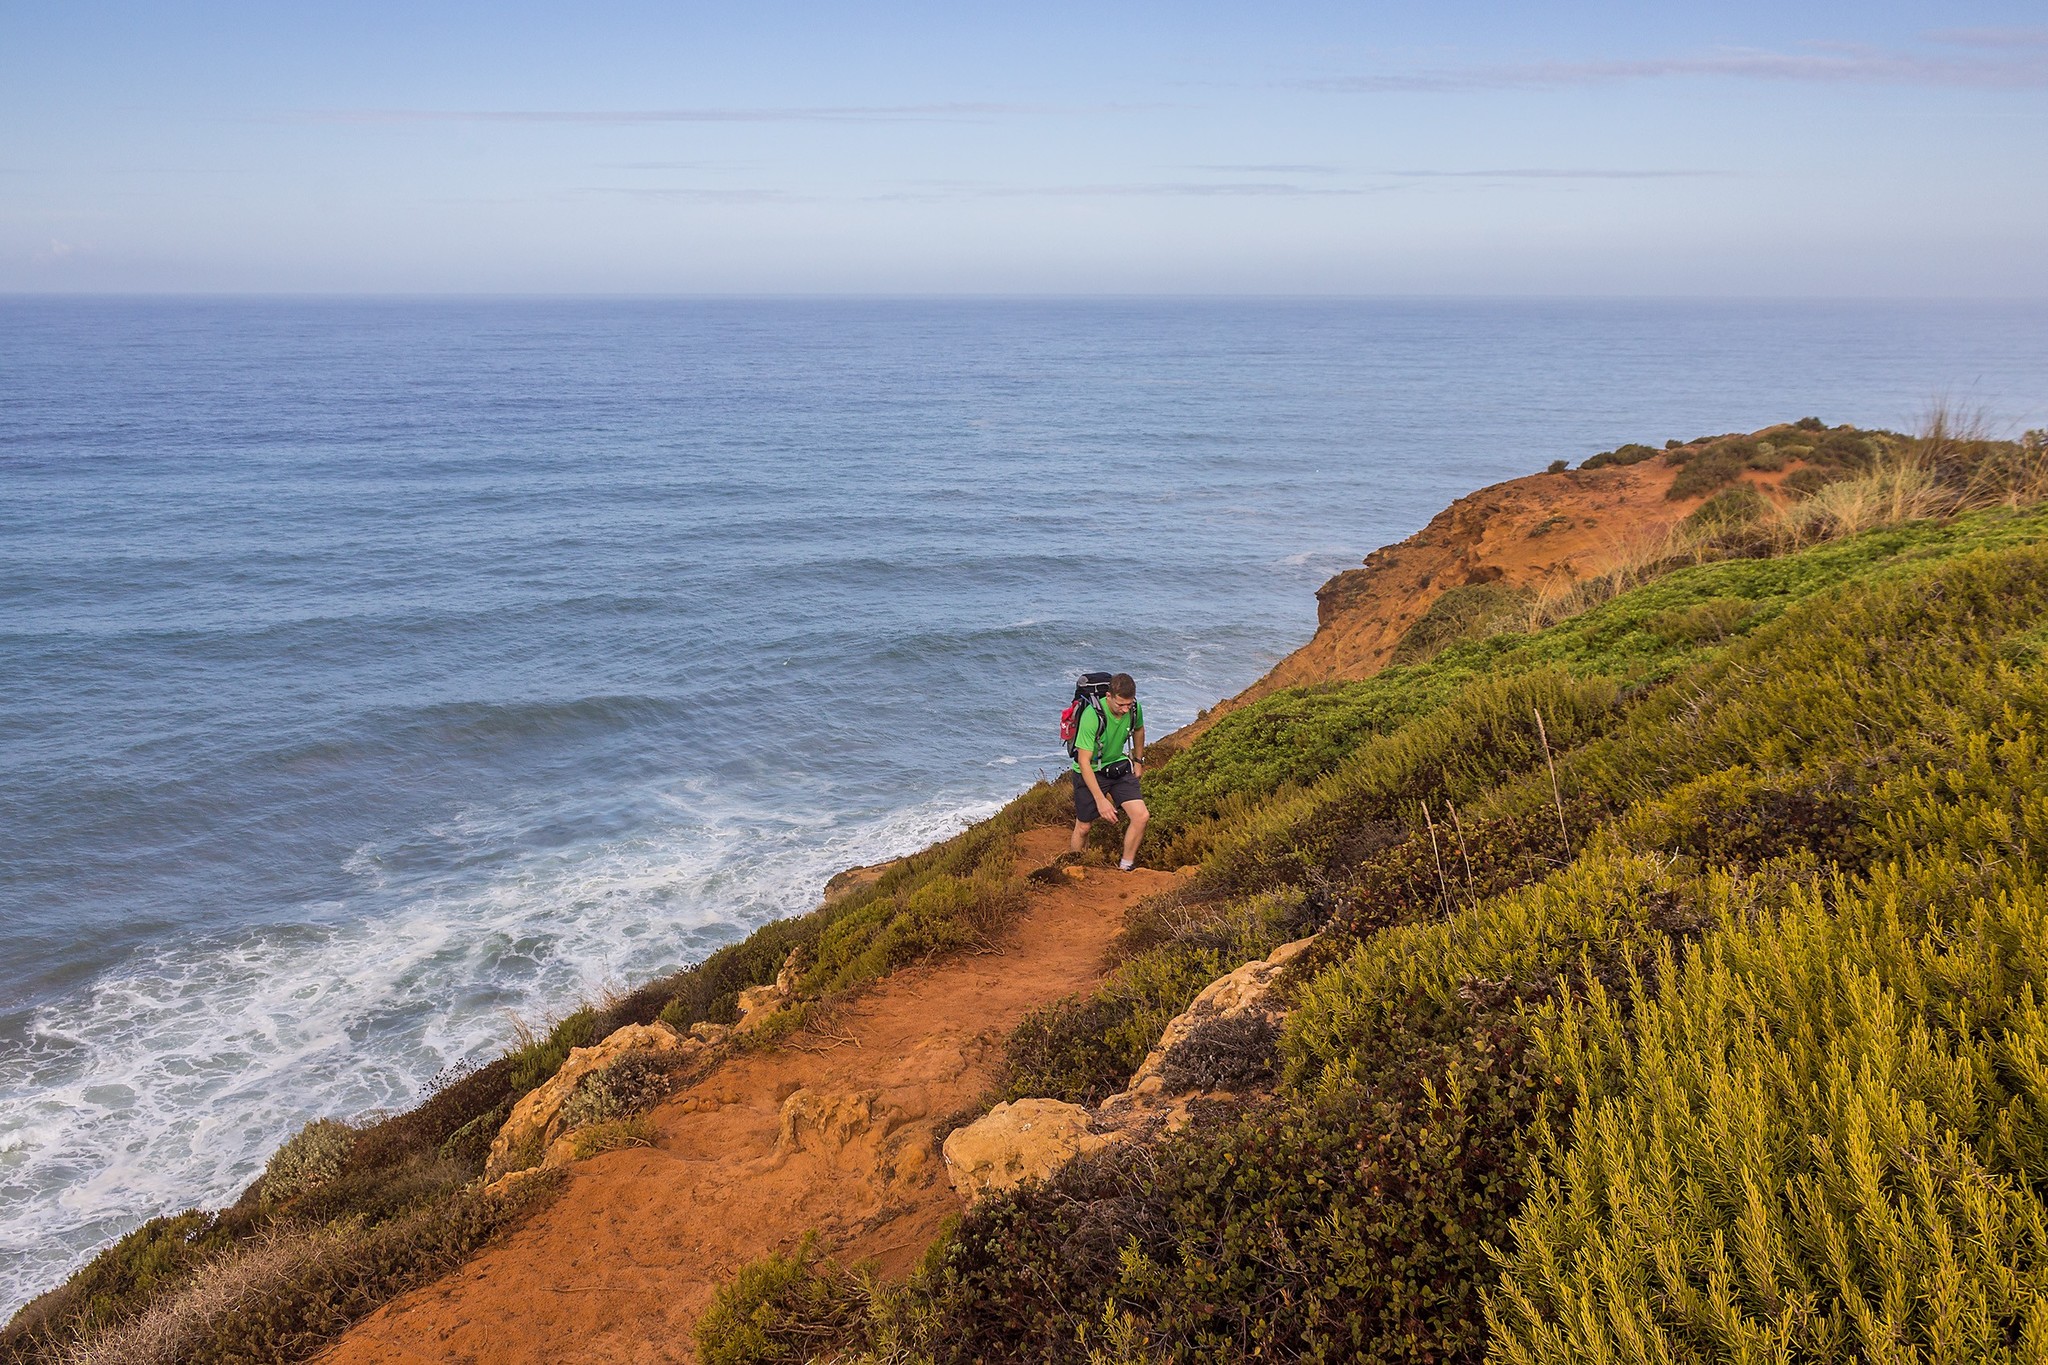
378 674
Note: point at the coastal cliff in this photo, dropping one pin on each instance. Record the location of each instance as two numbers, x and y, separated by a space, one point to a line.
1637 874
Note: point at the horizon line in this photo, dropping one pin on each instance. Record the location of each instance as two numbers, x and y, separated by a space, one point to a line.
1297 296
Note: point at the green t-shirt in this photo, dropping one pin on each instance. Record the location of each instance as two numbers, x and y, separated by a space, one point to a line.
1105 734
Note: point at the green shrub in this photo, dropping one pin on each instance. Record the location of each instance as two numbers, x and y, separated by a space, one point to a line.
1621 455
1820 1139
1729 509
310 1159
784 1310
1703 622
1348 1223
1453 753
1467 1031
1461 613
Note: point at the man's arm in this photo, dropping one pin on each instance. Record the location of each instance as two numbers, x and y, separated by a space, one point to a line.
1138 746
1103 810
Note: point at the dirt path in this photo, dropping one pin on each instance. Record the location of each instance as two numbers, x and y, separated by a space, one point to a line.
618 1268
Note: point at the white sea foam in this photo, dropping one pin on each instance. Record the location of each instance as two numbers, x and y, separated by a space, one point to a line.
168 1082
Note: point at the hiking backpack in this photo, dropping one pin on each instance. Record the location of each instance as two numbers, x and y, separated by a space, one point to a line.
1089 691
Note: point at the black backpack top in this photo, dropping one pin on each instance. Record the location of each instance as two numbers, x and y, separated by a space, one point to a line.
1089 690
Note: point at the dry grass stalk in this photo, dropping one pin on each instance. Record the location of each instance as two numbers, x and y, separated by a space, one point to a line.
1471 886
1443 886
1556 792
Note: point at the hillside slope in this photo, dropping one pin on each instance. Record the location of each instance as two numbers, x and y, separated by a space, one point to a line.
1544 774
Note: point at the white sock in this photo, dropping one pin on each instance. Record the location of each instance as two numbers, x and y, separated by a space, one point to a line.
1126 865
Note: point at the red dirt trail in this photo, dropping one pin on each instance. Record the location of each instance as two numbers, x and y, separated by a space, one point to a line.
619 1266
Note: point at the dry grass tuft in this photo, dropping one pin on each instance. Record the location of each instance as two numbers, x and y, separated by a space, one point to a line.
1951 467
171 1329
611 1136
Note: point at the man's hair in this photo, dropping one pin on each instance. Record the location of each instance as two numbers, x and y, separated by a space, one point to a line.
1123 685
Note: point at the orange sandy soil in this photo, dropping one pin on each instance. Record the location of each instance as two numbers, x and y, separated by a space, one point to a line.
620 1265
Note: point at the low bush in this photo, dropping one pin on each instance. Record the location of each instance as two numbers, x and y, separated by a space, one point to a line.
784 1310
308 1161
1631 453
1729 509
1467 612
320 1297
117 1285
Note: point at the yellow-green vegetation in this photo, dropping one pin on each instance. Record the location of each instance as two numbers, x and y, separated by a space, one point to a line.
1727 1042
783 1310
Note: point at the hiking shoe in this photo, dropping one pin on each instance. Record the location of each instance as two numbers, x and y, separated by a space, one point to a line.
1126 866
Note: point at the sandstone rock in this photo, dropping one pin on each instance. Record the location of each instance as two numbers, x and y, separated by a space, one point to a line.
1022 1140
756 1004
786 978
821 1123
536 1120
1248 988
710 1034
1078 874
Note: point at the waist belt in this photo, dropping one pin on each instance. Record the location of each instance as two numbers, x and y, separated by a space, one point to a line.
1115 772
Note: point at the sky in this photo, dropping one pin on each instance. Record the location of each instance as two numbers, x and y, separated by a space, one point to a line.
1872 149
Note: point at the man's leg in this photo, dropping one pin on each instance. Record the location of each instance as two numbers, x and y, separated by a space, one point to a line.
1134 834
1084 813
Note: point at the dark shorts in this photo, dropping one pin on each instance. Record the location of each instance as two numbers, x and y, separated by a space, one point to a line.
1121 791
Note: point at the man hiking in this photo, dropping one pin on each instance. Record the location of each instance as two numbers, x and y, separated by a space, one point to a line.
1104 777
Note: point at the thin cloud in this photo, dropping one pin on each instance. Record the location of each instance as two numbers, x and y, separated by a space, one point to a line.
893 113
1272 168
1832 66
2000 38
1550 173
1260 189
708 196
1267 189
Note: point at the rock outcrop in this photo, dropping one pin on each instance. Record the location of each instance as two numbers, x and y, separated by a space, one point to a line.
535 1127
1244 994
1014 1142
823 1123
759 1004
1031 1139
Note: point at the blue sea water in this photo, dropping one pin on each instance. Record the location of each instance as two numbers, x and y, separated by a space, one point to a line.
374 674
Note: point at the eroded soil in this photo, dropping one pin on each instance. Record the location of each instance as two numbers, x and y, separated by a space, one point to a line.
621 1264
